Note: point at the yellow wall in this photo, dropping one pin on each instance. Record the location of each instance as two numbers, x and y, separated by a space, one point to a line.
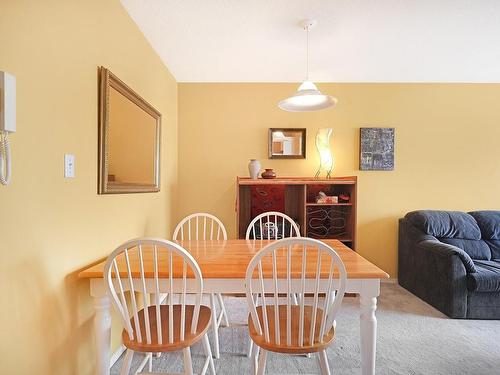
50 226
446 149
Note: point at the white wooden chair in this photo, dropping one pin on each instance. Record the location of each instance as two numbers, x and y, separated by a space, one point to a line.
204 226
147 266
268 224
284 327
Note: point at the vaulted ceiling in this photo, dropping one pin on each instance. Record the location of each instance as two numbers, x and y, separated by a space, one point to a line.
354 40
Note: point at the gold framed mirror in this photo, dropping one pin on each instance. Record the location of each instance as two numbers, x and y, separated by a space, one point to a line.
129 139
287 143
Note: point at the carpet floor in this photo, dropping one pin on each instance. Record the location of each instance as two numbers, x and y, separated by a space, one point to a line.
413 338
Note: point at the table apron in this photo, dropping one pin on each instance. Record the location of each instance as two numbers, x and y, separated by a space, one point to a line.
211 285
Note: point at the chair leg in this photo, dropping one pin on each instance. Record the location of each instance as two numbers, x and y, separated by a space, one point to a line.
188 365
254 364
250 348
261 370
320 364
150 362
250 342
254 355
323 363
127 361
215 327
208 353
225 319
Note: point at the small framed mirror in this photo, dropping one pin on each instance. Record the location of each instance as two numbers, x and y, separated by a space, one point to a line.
129 139
287 143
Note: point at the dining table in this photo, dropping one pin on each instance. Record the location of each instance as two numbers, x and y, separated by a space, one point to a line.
223 265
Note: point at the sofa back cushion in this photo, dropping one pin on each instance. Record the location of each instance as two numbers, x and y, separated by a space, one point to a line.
445 224
489 224
452 227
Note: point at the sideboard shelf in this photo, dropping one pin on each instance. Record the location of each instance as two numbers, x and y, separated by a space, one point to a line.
328 204
296 197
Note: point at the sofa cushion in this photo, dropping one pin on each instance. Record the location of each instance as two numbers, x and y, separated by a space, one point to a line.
483 305
486 278
489 224
494 248
445 224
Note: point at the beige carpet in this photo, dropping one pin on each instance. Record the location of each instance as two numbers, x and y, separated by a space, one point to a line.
413 338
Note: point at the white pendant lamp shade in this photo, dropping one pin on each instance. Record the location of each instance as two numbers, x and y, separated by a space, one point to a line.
307 98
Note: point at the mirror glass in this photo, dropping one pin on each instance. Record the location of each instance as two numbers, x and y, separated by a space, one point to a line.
129 137
287 143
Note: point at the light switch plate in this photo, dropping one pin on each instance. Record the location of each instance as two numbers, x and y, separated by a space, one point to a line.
69 165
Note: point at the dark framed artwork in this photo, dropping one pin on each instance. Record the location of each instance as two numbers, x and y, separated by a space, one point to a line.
376 149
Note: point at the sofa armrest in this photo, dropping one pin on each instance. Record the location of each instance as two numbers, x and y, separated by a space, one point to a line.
440 277
433 271
449 250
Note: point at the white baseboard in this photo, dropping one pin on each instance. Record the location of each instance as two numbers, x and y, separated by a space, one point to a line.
117 354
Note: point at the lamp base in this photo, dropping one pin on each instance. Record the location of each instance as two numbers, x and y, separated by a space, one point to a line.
328 174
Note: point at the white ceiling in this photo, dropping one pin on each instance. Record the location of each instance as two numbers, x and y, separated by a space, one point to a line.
354 40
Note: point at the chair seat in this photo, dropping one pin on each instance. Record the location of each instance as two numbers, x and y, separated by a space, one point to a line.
166 346
487 277
294 348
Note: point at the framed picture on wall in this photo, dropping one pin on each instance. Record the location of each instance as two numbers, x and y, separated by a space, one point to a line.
376 149
287 143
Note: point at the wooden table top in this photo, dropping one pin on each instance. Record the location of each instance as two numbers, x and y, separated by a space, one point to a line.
229 259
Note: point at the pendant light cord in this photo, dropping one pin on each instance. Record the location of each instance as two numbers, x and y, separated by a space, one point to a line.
307 53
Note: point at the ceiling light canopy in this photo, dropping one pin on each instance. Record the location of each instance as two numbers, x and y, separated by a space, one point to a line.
307 98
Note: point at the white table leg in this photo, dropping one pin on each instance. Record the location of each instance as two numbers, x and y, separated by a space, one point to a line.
368 324
102 330
215 326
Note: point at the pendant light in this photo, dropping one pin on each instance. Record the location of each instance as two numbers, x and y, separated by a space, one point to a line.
307 98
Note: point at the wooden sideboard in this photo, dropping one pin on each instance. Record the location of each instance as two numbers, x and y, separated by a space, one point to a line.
296 197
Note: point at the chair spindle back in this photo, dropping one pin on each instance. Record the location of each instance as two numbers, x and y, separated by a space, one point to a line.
268 224
156 261
200 226
271 272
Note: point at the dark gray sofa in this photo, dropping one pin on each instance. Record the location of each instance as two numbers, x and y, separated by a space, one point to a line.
451 260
